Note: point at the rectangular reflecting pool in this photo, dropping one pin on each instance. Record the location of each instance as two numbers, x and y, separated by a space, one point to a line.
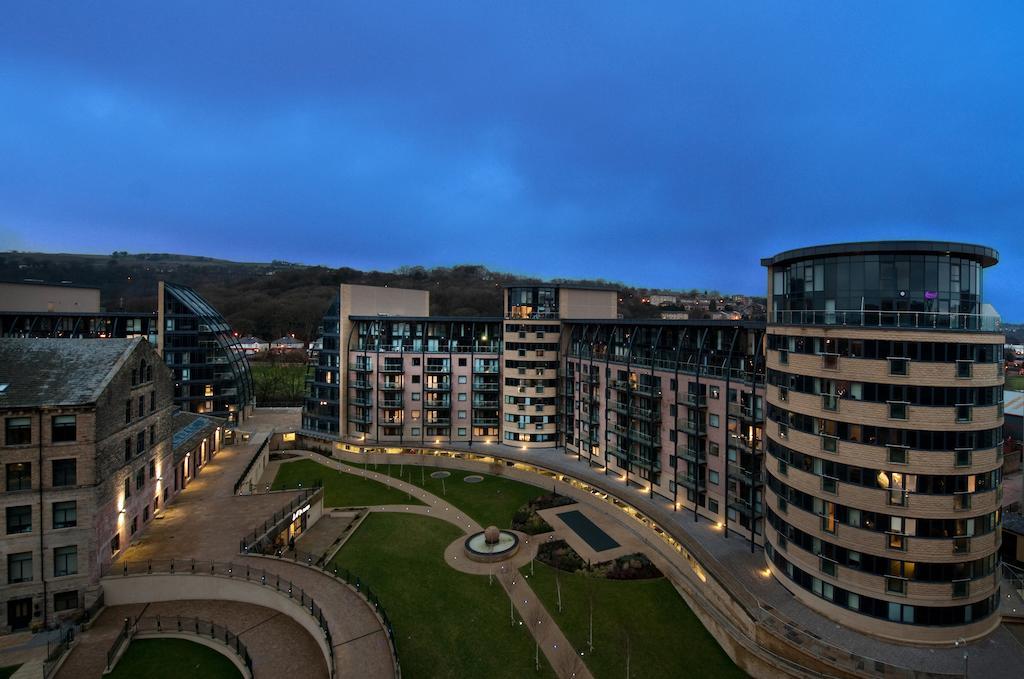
588 530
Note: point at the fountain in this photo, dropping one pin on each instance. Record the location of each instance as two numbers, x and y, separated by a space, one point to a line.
491 545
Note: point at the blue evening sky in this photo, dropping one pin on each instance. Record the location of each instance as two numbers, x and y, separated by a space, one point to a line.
664 144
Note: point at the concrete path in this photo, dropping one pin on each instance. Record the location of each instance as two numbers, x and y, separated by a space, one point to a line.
553 642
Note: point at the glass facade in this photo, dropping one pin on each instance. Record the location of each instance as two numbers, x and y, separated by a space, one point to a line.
210 371
321 406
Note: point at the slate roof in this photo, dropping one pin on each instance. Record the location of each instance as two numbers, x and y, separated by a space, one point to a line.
56 372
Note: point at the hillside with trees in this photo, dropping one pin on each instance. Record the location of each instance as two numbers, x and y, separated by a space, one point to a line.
277 298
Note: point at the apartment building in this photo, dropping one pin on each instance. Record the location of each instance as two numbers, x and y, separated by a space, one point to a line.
884 430
86 438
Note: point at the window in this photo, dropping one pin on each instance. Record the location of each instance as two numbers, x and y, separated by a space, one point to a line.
961 588
462 363
127 411
152 435
142 405
415 431
416 361
713 478
899 366
712 448
127 487
416 396
897 411
127 449
962 457
19 519
152 468
140 478
713 420
140 442
135 524
19 476
152 401
713 506
963 413
462 379
115 543
415 379
63 428
462 431
65 472
829 443
65 561
65 601
145 514
18 431
19 567
963 369
65 514
462 414
897 455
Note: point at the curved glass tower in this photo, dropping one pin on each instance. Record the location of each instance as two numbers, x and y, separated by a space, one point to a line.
211 372
884 430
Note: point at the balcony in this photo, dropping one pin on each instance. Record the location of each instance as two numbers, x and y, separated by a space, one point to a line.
364 401
485 403
438 386
744 475
486 369
361 418
590 379
360 384
439 422
486 386
692 427
437 368
694 400
390 403
485 421
889 319
436 403
389 385
392 368
692 454
361 367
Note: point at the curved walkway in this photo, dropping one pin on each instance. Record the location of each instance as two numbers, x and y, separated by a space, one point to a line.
554 643
274 640
207 521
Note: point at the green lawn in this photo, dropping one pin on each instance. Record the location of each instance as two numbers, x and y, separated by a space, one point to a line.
7 671
447 623
493 501
665 638
340 489
172 659
1015 382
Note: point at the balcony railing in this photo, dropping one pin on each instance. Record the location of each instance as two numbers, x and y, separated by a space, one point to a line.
695 400
485 421
485 403
889 319
390 403
486 386
391 368
387 385
361 384
437 369
437 403
438 386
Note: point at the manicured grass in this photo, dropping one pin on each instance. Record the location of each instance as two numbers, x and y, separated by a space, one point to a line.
172 659
1014 382
665 638
447 623
493 501
7 671
340 489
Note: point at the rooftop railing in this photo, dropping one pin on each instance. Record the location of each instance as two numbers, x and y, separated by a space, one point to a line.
918 320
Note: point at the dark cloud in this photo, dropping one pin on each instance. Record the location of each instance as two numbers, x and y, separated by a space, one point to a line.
666 144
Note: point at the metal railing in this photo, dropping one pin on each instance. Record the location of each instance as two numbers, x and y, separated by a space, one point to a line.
232 570
889 319
248 467
254 540
178 625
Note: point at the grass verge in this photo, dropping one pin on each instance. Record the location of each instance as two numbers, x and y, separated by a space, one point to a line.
172 659
340 489
447 624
